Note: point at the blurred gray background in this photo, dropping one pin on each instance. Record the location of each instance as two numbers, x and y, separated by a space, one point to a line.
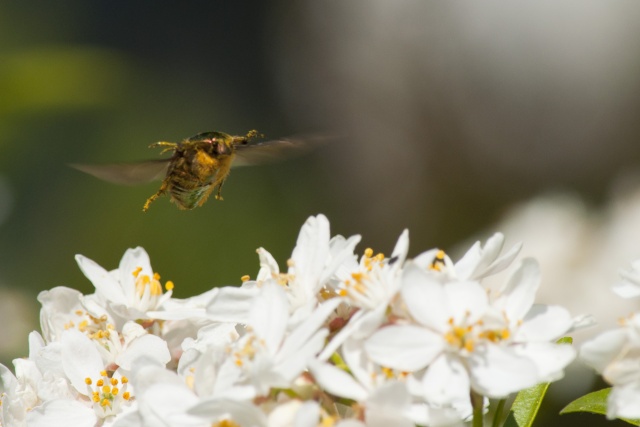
444 115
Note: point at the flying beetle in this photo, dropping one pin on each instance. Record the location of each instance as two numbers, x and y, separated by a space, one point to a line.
198 165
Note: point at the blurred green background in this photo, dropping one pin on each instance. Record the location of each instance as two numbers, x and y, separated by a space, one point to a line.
444 114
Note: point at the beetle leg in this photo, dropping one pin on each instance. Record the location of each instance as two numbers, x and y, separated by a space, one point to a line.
219 192
160 192
171 146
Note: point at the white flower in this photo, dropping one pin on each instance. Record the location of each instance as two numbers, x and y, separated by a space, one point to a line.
381 392
19 392
465 341
130 291
616 355
370 286
629 286
477 263
268 354
64 308
314 261
71 385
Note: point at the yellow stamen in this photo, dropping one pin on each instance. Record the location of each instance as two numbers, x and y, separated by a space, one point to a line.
126 395
468 345
438 261
357 276
245 278
137 271
225 423
169 285
388 372
88 381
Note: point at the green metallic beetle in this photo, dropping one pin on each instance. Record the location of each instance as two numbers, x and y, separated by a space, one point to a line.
198 165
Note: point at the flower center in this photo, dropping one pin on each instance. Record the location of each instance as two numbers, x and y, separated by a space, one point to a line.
144 282
106 394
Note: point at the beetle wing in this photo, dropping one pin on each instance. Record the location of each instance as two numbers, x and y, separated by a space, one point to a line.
260 152
127 173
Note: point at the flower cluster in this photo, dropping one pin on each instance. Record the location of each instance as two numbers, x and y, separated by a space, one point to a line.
616 354
333 340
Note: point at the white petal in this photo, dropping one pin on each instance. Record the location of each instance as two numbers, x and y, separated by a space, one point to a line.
407 348
232 304
503 262
269 315
446 381
399 254
268 265
62 413
106 285
497 372
132 260
387 406
520 290
166 404
311 253
626 290
468 301
425 298
336 381
149 346
480 262
544 323
306 416
296 362
309 327
242 413
341 254
550 359
392 395
80 359
295 414
624 402
8 380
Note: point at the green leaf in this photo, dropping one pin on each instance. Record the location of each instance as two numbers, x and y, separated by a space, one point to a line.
525 407
595 403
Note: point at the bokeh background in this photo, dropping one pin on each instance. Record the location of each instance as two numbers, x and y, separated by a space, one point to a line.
453 119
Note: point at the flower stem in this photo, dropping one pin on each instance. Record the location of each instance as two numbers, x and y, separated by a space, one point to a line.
477 403
498 413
